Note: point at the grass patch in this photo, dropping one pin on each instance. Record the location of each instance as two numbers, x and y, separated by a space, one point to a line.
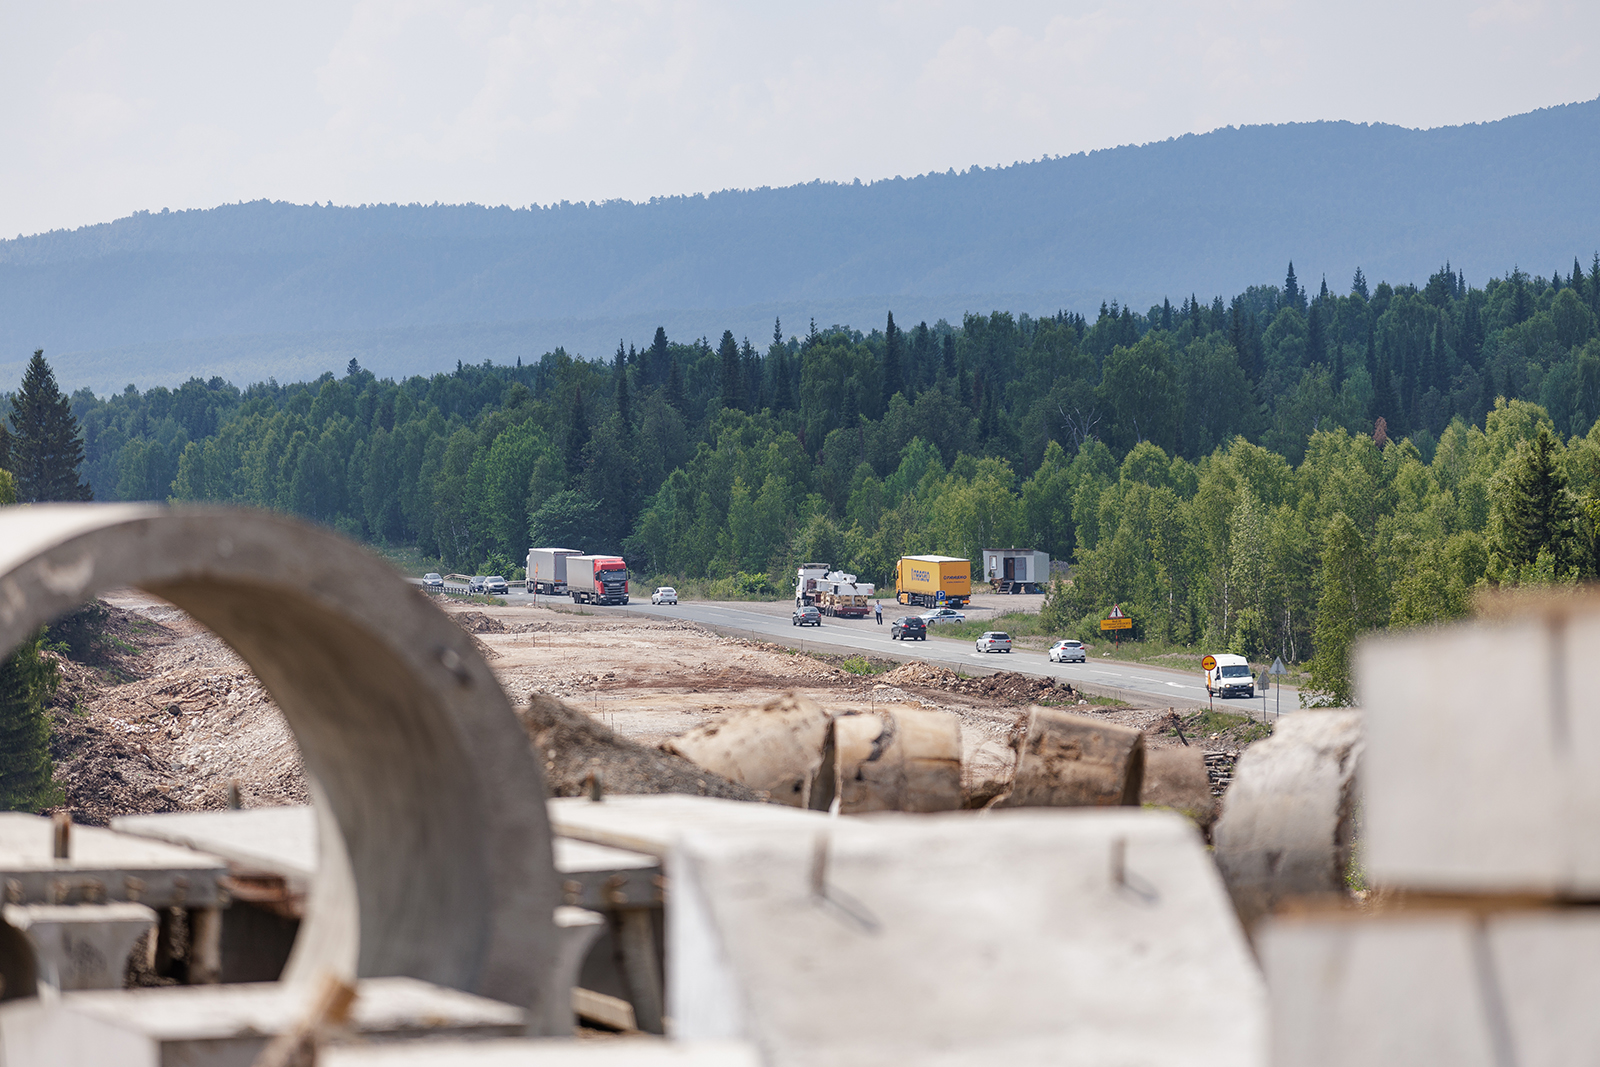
1239 730
862 665
1015 623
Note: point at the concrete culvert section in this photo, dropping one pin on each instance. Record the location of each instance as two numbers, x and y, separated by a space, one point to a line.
431 803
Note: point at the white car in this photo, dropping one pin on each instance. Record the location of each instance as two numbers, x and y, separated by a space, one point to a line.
939 615
664 595
1068 652
994 641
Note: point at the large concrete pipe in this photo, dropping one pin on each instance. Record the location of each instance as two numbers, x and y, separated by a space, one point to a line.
435 843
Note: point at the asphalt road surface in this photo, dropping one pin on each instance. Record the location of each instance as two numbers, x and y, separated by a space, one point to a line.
770 622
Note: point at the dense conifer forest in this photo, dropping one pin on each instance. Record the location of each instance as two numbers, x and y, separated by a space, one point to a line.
1274 472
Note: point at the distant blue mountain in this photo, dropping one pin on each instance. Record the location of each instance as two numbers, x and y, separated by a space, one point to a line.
264 288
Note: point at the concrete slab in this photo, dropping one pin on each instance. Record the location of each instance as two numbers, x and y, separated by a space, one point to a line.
103 867
280 841
1434 987
1288 820
1466 794
1019 937
604 1052
81 946
227 1026
653 824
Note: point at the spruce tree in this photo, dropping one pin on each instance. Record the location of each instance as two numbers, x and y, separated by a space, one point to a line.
732 373
1534 511
1359 285
892 380
46 452
624 401
577 434
1293 295
27 682
675 385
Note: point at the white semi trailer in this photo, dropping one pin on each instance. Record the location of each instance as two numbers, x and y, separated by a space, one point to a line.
547 570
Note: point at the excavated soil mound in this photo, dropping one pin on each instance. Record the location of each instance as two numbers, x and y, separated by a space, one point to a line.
1004 687
574 746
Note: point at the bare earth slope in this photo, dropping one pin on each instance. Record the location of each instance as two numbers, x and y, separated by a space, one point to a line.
169 717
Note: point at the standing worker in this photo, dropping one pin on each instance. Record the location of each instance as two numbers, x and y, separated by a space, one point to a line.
877 609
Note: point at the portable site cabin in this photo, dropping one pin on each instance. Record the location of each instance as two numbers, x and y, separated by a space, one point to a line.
1016 570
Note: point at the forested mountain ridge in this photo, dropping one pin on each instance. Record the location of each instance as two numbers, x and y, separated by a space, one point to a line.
1197 213
1217 468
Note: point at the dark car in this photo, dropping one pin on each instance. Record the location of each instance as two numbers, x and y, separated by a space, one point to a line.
475 584
909 628
432 581
806 616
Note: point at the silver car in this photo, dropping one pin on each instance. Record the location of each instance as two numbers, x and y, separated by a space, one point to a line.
939 615
994 641
495 585
1068 651
432 581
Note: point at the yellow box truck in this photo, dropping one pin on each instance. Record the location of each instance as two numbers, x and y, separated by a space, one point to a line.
933 581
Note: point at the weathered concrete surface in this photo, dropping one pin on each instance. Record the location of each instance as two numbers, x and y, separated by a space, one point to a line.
629 1052
103 866
81 946
1019 937
435 845
1176 778
652 824
1446 987
899 759
227 1025
1288 821
1468 794
776 748
1071 761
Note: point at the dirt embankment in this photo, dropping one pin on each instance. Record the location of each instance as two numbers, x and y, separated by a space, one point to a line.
159 715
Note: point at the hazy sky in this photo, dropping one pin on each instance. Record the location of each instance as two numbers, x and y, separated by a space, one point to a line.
110 107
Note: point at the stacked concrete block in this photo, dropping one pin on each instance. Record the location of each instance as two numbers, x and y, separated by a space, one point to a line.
228 1025
627 1052
1481 788
1062 937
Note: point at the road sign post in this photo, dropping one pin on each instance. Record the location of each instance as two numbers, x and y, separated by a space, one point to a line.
1208 665
1279 669
1115 623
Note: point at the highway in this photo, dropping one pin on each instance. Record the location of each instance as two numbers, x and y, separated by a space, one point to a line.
1133 682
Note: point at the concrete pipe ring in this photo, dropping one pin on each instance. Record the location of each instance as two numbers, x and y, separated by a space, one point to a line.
435 845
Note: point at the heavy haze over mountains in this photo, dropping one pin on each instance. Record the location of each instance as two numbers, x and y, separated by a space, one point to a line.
264 289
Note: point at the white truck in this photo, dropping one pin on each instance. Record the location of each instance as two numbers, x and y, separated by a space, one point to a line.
808 578
547 570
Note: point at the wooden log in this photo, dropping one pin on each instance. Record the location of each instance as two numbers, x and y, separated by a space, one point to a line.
1073 761
776 748
900 759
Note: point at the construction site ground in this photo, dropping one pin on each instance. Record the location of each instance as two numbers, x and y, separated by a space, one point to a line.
160 716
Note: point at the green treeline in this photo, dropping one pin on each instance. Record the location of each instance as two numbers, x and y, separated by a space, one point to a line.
1216 467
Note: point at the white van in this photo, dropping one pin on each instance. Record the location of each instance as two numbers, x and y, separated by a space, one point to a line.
1230 677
